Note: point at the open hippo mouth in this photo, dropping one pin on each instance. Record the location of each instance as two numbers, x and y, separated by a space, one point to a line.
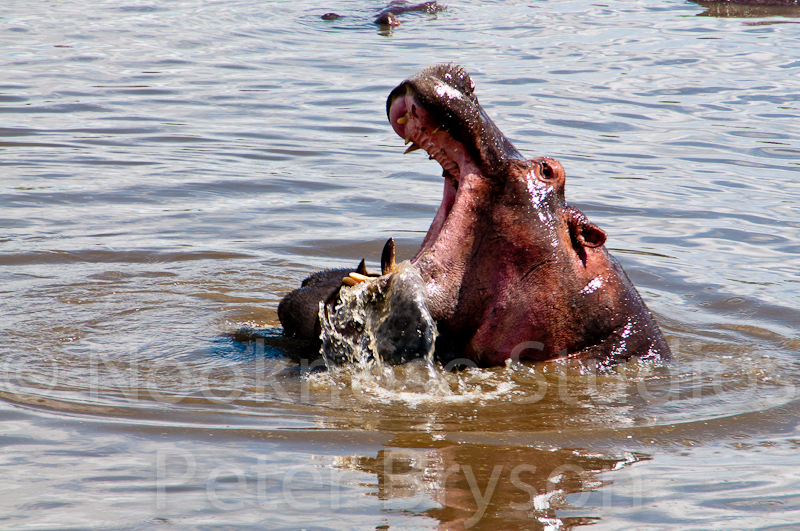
437 110
507 268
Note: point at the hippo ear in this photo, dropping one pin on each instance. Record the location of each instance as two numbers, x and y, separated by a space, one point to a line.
584 233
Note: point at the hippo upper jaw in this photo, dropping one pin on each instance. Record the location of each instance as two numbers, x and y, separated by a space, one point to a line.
445 94
414 123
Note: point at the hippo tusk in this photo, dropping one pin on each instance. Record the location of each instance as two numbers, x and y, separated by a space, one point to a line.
387 257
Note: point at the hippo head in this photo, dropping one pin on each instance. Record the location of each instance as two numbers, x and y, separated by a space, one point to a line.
507 269
511 269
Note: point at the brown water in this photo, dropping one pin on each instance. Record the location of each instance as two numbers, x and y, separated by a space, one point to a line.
169 170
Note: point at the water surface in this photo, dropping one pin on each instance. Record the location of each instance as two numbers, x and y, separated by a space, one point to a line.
170 170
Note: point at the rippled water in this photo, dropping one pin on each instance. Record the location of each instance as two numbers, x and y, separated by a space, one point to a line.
169 170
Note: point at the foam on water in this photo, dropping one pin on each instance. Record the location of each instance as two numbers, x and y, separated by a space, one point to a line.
419 382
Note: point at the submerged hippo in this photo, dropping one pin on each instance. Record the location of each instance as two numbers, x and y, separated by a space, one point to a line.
388 17
510 270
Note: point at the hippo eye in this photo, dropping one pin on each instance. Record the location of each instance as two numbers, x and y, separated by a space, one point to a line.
547 170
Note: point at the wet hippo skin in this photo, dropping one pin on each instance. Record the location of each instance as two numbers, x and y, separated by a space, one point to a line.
388 16
511 270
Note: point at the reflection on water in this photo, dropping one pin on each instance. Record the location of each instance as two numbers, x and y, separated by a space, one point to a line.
171 170
483 487
519 446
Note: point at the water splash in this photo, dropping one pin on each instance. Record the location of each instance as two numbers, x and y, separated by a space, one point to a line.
385 320
379 339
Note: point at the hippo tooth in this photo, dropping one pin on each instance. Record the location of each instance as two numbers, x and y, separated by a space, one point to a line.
387 257
349 281
402 120
412 147
358 277
435 130
408 139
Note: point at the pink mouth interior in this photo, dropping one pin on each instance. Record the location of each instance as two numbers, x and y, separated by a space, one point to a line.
424 131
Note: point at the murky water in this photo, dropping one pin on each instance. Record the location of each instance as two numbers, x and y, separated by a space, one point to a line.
169 170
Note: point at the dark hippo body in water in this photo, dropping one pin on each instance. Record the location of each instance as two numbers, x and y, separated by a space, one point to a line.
750 8
510 269
388 17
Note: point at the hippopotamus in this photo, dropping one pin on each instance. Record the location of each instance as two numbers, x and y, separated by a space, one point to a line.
388 17
749 8
510 270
